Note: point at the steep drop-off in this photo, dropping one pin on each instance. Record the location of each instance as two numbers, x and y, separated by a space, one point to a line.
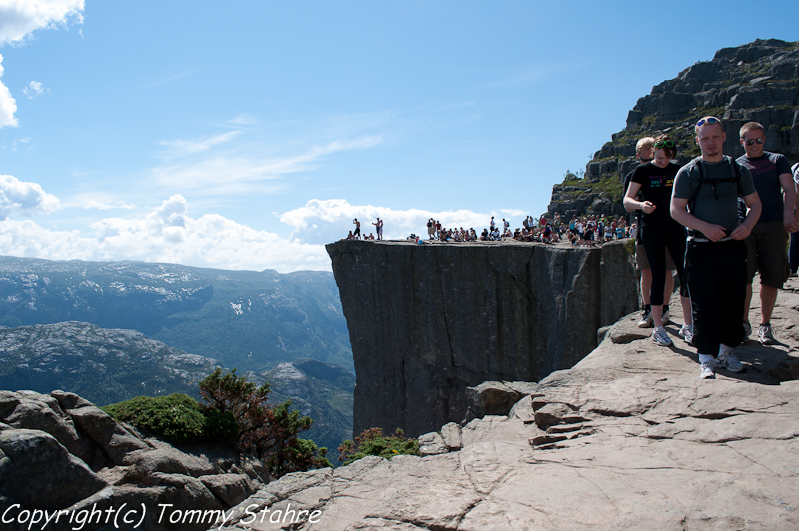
427 321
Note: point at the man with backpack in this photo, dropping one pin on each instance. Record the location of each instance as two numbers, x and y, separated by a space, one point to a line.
705 201
771 174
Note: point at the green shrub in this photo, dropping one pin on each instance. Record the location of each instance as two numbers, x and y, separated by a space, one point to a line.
176 417
373 442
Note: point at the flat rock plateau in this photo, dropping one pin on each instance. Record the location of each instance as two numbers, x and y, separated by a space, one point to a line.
629 438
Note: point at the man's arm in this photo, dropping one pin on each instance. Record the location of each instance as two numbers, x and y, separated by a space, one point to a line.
755 207
789 187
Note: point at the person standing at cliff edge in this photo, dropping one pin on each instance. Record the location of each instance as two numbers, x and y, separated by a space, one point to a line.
379 228
705 200
659 232
644 151
771 173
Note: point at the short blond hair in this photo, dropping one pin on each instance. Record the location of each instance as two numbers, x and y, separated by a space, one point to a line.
706 121
646 142
751 126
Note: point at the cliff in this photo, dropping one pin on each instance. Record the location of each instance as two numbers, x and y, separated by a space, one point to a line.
757 82
428 321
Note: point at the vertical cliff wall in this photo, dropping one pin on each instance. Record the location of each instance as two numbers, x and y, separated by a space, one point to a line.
427 321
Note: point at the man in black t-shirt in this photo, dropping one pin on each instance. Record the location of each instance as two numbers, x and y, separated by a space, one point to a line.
771 173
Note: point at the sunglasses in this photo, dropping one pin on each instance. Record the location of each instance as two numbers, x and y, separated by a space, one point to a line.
664 143
752 142
710 120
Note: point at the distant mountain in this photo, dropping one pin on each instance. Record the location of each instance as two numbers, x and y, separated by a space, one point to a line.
757 82
248 320
107 366
102 365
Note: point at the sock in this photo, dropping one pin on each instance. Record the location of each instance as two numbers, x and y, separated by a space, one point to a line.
724 349
706 358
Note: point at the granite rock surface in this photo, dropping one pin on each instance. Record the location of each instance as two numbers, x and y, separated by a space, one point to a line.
629 438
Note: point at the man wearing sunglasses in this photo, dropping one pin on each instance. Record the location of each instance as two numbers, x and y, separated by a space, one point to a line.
705 200
771 173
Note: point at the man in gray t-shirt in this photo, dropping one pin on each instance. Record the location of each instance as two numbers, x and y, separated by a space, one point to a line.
705 200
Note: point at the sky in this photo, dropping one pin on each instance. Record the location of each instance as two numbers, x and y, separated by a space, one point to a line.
247 134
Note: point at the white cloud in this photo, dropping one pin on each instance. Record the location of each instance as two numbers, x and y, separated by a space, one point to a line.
325 221
166 234
8 105
20 18
180 148
239 174
24 198
97 201
34 89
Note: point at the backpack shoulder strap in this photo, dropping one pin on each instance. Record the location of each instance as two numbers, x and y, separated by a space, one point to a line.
692 200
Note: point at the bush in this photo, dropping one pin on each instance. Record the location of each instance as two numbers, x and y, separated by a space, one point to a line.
373 442
238 413
267 431
176 417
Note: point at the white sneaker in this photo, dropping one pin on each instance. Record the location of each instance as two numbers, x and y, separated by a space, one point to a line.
730 362
687 333
707 371
646 319
660 337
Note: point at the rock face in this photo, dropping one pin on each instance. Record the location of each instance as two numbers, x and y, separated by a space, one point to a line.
60 452
428 321
629 438
757 82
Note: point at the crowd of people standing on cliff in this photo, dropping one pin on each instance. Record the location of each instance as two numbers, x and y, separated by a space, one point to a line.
583 230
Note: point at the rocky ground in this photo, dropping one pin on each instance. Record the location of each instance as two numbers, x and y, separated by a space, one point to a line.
628 438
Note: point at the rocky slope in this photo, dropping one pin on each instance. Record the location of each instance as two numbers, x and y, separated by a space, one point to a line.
428 321
60 452
244 319
629 438
758 82
102 365
106 366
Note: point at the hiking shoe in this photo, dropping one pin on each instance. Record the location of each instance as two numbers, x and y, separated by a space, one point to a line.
730 362
747 330
660 337
707 372
665 314
687 333
765 335
646 319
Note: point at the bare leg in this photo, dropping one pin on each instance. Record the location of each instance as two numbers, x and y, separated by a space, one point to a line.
646 285
768 298
748 301
686 310
657 315
668 289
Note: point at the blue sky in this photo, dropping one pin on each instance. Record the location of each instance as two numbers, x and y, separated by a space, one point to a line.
247 134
